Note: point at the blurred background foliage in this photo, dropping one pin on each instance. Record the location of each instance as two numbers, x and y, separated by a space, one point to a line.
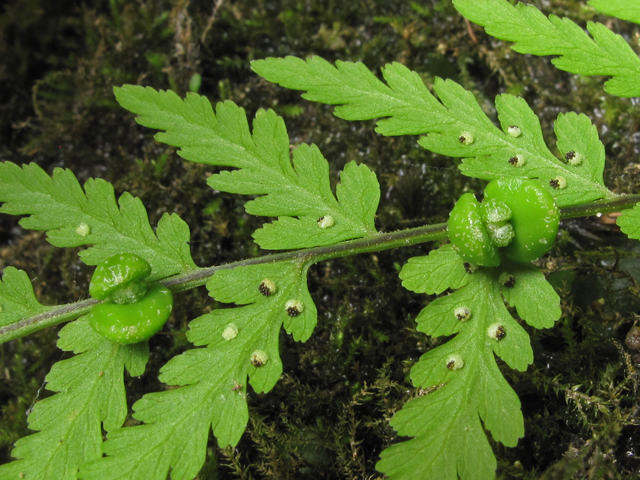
328 416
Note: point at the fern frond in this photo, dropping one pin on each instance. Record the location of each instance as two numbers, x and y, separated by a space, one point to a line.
297 187
91 396
455 124
607 53
623 9
73 217
17 300
461 381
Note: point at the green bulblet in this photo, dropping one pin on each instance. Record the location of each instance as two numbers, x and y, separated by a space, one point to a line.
534 216
131 312
518 218
120 279
135 322
469 235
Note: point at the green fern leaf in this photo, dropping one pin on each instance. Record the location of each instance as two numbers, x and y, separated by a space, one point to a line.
17 300
241 343
606 54
535 300
401 105
623 9
91 397
460 380
441 269
73 217
456 125
438 451
292 188
629 222
584 181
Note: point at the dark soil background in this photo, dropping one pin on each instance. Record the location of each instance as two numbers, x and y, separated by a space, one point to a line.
328 416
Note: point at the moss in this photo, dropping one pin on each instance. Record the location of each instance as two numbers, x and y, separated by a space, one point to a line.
328 416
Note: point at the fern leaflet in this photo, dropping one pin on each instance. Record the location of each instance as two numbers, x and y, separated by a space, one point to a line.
606 54
17 300
456 125
73 217
298 188
91 396
623 9
460 380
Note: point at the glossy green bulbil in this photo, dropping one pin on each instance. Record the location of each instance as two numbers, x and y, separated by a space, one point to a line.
534 216
120 279
469 235
135 322
518 218
132 311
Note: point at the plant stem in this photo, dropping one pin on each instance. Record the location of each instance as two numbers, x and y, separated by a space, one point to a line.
600 207
376 243
199 277
55 316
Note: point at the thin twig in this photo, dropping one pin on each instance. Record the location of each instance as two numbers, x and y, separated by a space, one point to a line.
212 19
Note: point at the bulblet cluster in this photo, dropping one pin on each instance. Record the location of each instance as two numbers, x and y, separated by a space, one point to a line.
518 218
132 311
